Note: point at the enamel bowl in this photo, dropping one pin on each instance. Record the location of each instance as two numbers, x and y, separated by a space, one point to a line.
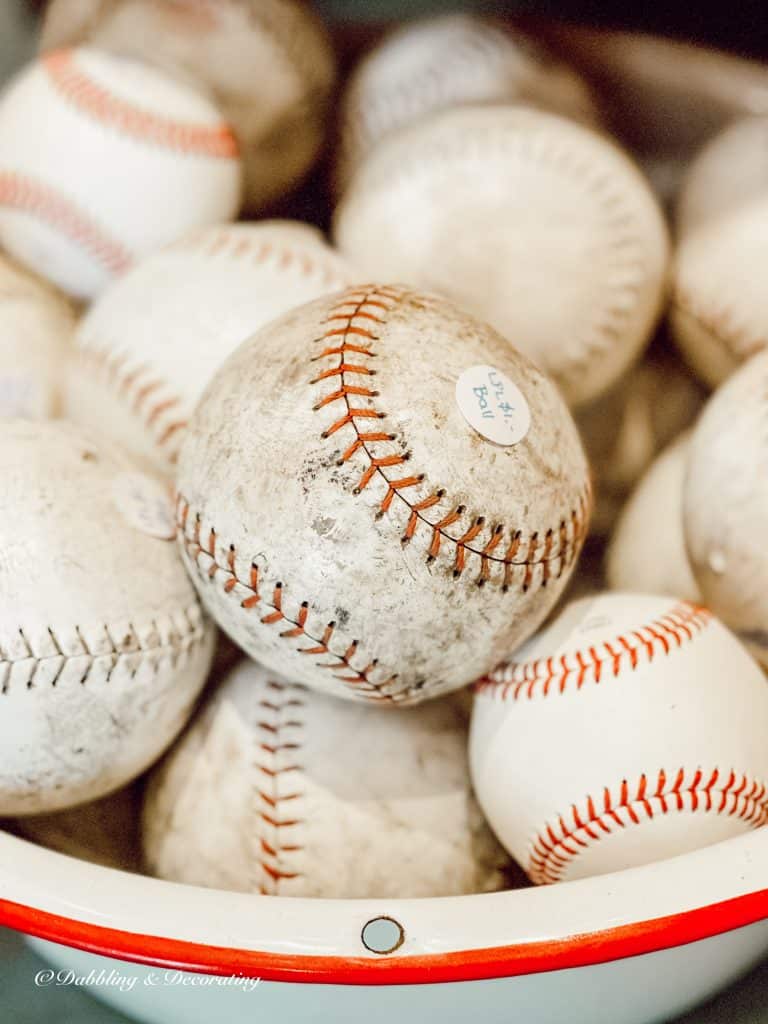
635 946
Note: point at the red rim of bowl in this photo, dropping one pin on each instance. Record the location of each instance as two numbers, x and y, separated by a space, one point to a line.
468 965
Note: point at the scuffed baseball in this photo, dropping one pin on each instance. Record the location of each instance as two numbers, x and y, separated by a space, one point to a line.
719 310
379 497
129 161
36 325
447 61
265 793
647 552
626 428
531 222
725 504
103 644
630 730
268 64
149 345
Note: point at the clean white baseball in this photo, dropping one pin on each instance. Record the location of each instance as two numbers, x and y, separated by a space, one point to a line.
630 730
103 644
725 504
149 345
265 793
348 507
627 427
447 61
719 311
267 63
533 223
647 552
129 160
36 325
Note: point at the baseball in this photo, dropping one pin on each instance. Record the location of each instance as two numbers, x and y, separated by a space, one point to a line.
268 64
264 793
379 497
152 341
627 427
103 644
129 160
630 730
719 310
448 61
531 222
725 504
657 564
36 326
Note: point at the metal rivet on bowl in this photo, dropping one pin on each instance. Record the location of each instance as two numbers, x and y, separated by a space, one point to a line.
382 935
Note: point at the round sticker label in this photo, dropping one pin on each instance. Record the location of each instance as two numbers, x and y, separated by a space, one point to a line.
146 504
491 403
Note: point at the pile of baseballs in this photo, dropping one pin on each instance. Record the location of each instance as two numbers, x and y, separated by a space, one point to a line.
390 563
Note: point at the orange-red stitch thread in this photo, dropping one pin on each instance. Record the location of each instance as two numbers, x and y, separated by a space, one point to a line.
79 89
559 548
149 400
38 199
556 846
204 559
524 680
280 711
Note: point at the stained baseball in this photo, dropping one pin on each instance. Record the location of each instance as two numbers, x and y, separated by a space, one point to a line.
448 61
129 161
264 793
725 504
103 644
149 345
36 327
539 226
719 310
269 65
647 552
630 730
347 523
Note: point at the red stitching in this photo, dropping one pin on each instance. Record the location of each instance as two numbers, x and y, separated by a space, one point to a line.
524 680
289 257
77 88
555 846
278 713
26 194
356 316
203 557
149 397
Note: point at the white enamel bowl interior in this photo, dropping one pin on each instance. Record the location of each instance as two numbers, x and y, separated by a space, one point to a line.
635 946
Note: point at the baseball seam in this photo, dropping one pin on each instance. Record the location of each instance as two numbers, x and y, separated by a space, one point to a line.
249 592
98 102
556 675
277 727
367 117
150 398
721 327
176 637
351 335
26 194
558 844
